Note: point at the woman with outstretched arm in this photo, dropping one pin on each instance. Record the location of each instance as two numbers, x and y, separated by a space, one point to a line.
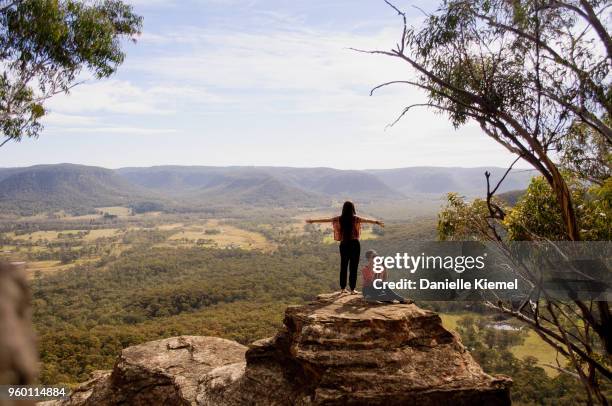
347 230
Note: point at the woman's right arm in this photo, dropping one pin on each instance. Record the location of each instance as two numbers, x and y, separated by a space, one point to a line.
329 220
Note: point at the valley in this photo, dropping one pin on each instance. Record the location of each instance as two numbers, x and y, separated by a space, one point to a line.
101 283
158 252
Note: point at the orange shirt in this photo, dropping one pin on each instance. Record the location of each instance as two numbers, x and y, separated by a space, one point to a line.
338 228
369 275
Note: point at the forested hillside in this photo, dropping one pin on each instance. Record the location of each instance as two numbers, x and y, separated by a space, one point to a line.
436 180
72 188
87 313
79 189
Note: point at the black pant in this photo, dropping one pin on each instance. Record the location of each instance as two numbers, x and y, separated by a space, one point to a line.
349 258
381 295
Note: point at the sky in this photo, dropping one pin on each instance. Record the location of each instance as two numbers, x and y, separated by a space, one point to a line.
256 82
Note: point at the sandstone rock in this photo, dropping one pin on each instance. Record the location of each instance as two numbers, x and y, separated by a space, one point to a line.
221 385
96 391
343 350
337 350
163 372
18 355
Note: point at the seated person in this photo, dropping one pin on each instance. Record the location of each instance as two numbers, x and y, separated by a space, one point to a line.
370 293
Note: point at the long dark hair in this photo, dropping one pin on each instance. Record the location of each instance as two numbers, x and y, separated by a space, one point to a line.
347 220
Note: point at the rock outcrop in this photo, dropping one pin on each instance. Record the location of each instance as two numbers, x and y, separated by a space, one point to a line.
337 350
163 372
18 354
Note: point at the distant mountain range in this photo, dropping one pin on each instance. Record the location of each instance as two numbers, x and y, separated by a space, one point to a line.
64 187
437 180
252 184
78 187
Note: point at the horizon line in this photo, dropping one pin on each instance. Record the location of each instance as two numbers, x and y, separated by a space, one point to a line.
263 166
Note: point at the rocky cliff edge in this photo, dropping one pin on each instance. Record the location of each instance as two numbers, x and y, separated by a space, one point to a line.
337 350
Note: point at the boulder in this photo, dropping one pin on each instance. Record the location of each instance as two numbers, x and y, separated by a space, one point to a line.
163 372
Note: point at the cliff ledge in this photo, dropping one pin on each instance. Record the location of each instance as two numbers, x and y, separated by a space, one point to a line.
336 350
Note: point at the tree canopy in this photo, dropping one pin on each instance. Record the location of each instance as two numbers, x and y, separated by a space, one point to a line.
528 72
46 44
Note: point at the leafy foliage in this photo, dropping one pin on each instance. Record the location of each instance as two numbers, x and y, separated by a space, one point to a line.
45 44
460 220
537 212
535 215
586 154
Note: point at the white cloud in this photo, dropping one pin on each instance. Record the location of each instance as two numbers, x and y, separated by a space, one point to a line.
223 87
120 130
63 120
110 96
281 60
276 71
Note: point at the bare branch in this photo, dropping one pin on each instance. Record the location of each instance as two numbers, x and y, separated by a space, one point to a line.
553 339
592 19
562 370
393 82
401 46
5 141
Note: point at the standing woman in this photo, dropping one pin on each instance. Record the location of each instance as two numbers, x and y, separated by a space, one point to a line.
347 230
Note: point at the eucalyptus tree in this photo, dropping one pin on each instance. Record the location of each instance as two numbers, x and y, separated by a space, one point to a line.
526 71
535 76
46 44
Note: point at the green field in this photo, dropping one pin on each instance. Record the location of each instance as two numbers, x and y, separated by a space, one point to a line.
536 347
533 346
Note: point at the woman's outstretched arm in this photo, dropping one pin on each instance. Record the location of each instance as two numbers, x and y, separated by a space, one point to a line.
329 220
370 221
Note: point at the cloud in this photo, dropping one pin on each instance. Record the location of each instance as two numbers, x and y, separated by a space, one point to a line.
110 96
63 120
120 130
275 59
273 78
282 70
276 71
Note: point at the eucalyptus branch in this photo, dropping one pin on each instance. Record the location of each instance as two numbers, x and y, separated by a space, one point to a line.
591 18
562 370
582 75
400 47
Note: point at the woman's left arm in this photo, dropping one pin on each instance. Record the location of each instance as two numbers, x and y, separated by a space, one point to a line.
370 221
